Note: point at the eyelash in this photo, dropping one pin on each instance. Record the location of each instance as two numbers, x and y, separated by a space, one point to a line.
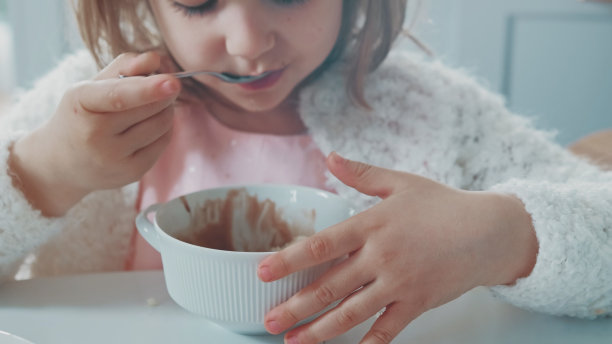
195 10
207 6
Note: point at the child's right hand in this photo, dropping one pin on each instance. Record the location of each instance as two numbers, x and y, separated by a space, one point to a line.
106 133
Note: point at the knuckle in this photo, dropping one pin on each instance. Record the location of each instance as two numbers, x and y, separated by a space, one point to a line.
319 248
289 316
282 265
121 60
325 295
115 99
362 171
385 258
381 336
346 317
126 56
307 336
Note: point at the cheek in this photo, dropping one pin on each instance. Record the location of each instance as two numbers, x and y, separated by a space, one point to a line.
194 51
327 26
316 33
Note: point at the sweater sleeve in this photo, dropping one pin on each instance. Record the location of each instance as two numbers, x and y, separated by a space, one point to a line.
569 200
23 228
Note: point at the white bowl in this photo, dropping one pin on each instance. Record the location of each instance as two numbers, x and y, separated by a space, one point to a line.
223 285
7 338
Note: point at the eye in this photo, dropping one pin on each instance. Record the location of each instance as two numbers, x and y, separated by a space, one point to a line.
289 2
200 9
206 6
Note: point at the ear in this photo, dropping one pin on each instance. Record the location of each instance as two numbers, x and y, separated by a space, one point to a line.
365 178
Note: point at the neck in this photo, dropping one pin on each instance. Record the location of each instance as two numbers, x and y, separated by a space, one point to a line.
281 120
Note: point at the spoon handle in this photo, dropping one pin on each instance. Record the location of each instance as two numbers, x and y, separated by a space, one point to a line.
224 77
190 74
179 75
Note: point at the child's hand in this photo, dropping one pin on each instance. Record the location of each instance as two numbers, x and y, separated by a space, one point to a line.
423 245
106 133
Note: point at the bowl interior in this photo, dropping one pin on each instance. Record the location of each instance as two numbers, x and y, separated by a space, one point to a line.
296 204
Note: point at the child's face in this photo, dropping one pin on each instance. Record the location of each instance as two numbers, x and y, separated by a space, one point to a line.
249 37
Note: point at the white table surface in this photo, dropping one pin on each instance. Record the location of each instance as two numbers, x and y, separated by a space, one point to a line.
113 308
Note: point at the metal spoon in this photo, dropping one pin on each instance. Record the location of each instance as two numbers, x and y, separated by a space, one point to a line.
229 78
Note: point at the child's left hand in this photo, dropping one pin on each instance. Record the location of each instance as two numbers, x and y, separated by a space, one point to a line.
423 245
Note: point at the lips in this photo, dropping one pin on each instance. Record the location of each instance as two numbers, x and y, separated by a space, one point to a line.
263 83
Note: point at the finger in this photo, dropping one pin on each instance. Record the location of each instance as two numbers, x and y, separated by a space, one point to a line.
392 321
352 311
111 96
120 123
146 157
331 243
148 131
131 64
338 282
365 178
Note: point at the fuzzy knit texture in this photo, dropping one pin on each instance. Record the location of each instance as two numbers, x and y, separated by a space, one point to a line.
428 120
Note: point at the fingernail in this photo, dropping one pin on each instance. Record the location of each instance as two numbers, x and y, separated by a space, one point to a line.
291 339
274 326
169 87
264 273
337 158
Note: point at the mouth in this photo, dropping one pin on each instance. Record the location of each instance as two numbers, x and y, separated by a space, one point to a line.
244 79
261 81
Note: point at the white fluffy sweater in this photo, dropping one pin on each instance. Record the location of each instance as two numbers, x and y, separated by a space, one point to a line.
427 120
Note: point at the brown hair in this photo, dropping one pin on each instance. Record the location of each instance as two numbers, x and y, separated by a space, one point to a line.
368 29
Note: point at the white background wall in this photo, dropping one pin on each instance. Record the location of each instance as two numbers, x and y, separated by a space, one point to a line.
43 31
551 59
6 51
6 58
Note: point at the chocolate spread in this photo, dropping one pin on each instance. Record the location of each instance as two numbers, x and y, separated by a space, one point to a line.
241 222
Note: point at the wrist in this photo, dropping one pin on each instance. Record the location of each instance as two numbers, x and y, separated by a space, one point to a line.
515 245
38 181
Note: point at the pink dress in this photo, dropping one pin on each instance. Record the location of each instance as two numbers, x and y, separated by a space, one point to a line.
204 153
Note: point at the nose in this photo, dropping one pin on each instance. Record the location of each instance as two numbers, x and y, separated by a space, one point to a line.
248 34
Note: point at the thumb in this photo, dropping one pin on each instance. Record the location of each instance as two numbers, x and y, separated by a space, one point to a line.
365 178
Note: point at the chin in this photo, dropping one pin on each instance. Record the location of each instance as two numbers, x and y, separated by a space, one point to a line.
257 109
259 105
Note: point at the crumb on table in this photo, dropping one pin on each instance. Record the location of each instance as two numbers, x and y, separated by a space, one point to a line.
152 302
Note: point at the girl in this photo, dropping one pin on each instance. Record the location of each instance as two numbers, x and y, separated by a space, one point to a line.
470 194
